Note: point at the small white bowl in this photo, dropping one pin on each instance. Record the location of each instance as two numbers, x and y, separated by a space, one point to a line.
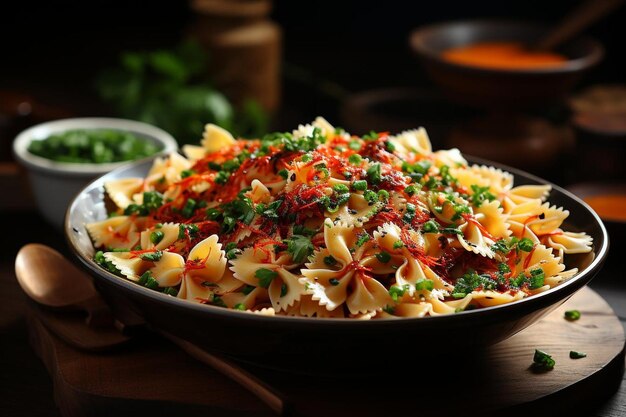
54 183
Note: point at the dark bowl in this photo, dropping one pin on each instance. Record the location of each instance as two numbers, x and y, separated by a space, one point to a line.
488 87
327 345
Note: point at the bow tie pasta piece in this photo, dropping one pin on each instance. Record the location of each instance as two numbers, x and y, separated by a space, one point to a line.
570 242
307 307
348 279
491 216
167 171
166 268
326 129
161 238
121 191
119 232
216 138
414 141
525 193
259 268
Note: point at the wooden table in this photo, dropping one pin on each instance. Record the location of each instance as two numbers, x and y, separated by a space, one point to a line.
25 386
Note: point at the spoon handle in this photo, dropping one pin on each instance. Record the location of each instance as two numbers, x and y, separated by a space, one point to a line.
98 312
575 22
273 399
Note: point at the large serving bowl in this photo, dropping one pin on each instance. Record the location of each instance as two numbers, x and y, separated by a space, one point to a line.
491 87
322 345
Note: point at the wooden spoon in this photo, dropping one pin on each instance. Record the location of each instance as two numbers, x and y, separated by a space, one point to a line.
575 22
51 280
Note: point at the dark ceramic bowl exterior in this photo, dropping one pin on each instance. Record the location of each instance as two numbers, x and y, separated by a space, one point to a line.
326 345
485 87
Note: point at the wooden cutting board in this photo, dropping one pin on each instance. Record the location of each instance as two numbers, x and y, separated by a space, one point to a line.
153 377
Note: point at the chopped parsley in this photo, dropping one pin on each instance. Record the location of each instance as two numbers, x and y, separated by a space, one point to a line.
472 281
383 257
577 355
299 247
424 284
265 276
373 173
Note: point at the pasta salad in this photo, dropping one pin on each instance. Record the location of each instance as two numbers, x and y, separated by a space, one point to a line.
321 223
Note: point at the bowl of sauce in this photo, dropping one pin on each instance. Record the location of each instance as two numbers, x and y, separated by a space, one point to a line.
487 63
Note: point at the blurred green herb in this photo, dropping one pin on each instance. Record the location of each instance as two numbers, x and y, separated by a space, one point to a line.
171 89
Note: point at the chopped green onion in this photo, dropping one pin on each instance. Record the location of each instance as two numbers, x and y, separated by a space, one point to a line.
383 257
525 245
152 256
333 281
577 355
430 226
373 173
330 261
355 159
537 278
240 307
572 315
283 173
543 360
360 185
424 284
156 236
398 244
341 189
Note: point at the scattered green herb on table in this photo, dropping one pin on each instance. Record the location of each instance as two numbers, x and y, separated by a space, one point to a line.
97 146
572 315
541 360
577 355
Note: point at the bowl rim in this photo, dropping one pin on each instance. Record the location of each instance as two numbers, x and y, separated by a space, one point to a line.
418 45
48 166
575 283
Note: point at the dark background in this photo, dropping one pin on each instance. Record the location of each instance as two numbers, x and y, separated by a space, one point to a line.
56 48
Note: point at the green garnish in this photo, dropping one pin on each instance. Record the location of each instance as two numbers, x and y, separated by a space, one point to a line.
187 229
383 257
300 247
103 262
355 159
341 189
188 208
390 146
240 307
152 200
330 261
542 360
170 291
577 355
430 226
370 136
265 276
148 281
572 315
411 190
187 173
360 185
373 173
525 245
537 278
307 157
283 173
397 292
97 146
480 195
398 244
222 177
152 256
354 144
363 237
333 281
156 236
472 281
424 284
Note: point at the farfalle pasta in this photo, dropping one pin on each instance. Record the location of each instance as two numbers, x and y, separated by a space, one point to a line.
321 223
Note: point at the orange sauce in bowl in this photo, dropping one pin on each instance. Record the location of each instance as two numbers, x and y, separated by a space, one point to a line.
502 55
608 206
